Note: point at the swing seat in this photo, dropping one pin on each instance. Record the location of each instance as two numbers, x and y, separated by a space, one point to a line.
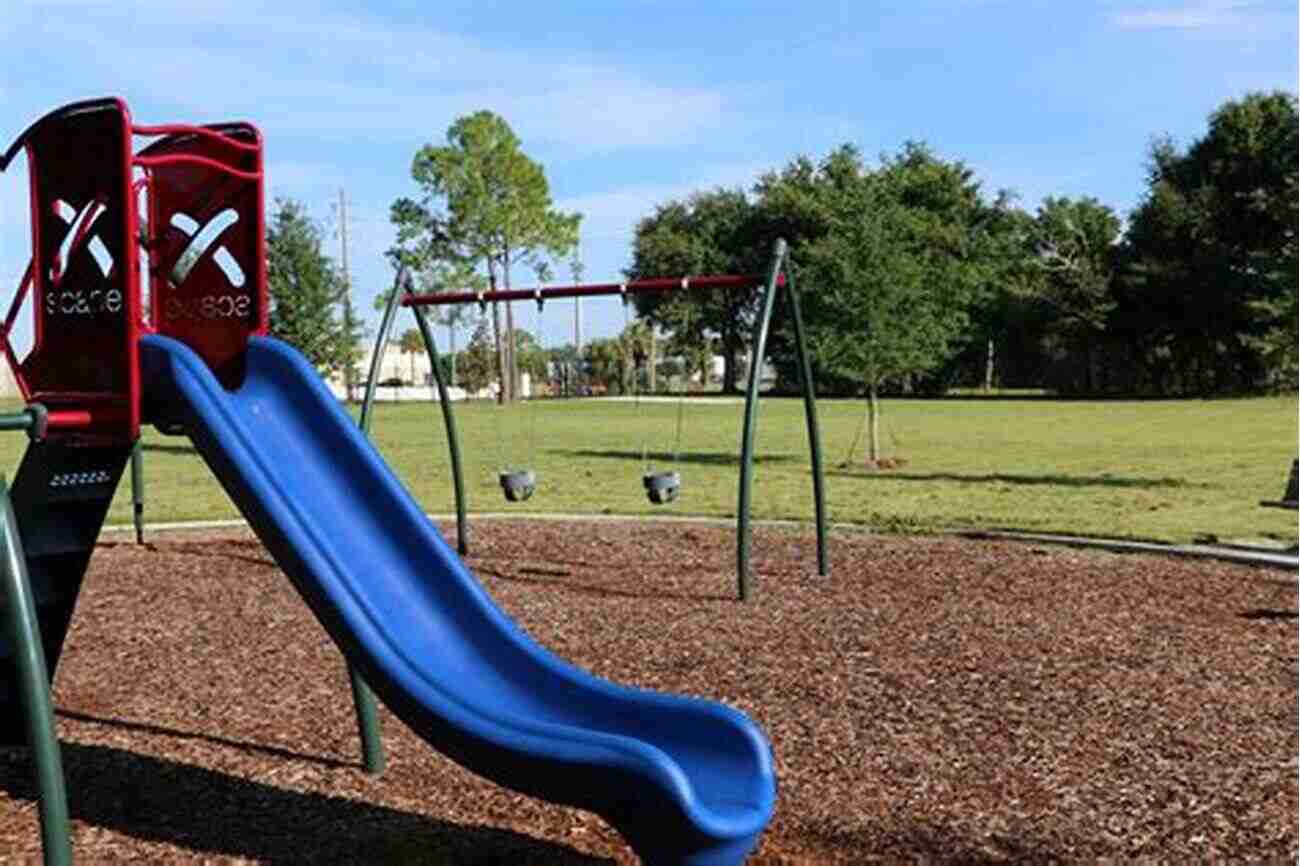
519 485
661 487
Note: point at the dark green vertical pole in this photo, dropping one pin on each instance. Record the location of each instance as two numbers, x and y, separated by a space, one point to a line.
453 441
372 746
810 413
758 347
23 631
372 739
377 357
137 489
401 285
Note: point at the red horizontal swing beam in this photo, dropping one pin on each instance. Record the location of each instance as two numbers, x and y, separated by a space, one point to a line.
586 290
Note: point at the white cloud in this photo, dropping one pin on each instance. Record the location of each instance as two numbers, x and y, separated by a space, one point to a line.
1187 16
613 214
356 76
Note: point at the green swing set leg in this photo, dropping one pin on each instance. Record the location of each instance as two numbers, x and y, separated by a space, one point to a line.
23 631
401 285
449 421
758 352
810 417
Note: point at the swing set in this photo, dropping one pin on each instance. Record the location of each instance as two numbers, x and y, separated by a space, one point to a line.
518 483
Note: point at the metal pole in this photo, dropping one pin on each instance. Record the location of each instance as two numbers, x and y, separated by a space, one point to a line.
137 489
810 413
372 741
377 357
372 746
453 441
757 350
23 631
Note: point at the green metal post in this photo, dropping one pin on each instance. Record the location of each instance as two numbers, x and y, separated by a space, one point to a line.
372 746
449 421
372 737
137 489
402 285
377 357
758 348
23 631
810 413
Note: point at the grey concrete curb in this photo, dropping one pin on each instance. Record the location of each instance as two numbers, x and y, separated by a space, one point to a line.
1229 553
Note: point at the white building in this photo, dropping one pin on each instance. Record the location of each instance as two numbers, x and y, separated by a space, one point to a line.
408 377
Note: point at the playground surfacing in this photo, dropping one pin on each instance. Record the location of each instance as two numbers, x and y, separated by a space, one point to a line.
935 700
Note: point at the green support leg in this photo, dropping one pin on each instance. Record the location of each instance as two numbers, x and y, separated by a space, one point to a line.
810 414
453 441
377 357
137 489
402 285
372 746
758 348
23 631
372 742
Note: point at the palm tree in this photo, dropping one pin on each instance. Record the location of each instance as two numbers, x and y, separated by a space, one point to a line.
410 343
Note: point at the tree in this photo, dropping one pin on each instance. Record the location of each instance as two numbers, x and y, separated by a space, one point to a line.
1211 250
636 355
892 258
889 319
477 364
708 233
411 344
304 287
1074 244
485 204
603 359
531 358
1007 309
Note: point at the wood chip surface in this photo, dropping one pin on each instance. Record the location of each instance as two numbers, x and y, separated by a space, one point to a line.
935 700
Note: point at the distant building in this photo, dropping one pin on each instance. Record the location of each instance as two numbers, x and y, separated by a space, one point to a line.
404 377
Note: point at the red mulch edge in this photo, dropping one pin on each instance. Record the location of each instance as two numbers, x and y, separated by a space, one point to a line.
935 700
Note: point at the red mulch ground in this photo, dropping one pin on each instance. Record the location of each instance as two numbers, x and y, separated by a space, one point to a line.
936 700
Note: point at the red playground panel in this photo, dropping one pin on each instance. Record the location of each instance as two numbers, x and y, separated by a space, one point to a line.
83 276
204 240
207 240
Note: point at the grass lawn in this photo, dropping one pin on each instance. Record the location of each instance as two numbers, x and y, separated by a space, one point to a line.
1162 470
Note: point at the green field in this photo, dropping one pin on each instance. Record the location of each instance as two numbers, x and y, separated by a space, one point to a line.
1161 470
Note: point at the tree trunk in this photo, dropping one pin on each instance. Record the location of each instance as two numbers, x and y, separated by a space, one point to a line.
873 425
651 360
502 379
729 349
988 366
451 342
512 364
512 367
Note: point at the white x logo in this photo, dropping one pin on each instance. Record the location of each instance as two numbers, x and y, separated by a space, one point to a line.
80 223
201 239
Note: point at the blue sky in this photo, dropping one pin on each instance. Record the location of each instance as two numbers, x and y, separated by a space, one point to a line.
631 104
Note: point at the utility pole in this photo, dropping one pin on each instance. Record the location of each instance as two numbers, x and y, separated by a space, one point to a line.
576 267
349 374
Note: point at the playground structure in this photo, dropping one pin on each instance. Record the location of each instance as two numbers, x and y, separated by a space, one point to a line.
685 781
517 483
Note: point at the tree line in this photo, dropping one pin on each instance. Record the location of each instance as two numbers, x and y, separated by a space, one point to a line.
915 279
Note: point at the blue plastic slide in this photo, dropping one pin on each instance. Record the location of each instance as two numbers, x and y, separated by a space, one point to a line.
686 781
